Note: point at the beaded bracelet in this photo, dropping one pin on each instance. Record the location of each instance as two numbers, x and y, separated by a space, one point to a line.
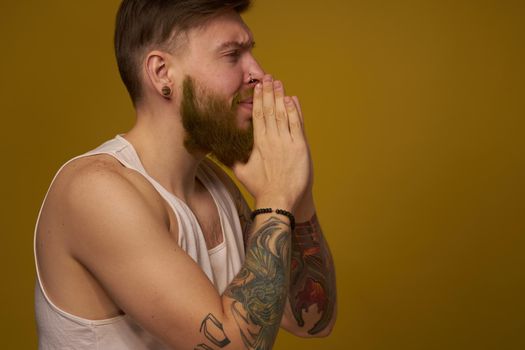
277 211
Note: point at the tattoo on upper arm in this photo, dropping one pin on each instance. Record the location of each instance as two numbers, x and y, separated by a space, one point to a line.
259 290
213 330
312 281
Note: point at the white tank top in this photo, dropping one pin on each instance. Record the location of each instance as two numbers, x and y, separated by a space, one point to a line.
58 329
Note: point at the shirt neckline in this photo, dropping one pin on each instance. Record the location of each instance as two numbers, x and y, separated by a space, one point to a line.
206 185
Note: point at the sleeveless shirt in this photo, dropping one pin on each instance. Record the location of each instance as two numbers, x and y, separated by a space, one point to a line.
58 329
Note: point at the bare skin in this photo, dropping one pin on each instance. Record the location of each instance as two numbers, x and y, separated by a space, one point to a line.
107 241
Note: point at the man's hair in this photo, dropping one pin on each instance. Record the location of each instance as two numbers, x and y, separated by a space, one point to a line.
144 25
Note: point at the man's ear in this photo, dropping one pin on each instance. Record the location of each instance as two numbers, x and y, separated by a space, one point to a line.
158 73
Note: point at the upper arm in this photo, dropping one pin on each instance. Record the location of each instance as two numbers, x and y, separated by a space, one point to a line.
125 244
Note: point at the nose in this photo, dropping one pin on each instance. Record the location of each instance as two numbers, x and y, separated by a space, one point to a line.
255 72
252 79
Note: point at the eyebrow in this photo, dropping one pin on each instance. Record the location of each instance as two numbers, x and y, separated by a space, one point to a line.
237 45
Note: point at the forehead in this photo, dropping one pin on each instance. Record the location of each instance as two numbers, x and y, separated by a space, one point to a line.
223 29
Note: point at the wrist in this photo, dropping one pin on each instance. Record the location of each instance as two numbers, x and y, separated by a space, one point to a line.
275 202
278 211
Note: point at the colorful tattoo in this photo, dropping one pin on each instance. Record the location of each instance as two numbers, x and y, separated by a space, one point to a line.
312 277
259 290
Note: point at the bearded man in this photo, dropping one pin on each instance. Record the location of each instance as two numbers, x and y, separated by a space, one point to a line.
145 243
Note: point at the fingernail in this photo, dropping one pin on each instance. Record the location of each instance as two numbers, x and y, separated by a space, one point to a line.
258 86
277 84
268 78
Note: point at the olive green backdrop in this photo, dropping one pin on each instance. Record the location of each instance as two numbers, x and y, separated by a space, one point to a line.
415 114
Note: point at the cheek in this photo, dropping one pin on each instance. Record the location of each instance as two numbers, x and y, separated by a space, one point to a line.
227 82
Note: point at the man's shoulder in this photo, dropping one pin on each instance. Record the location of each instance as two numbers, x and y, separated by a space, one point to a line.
90 172
87 182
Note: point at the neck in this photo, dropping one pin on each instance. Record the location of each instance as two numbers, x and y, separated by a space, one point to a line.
158 139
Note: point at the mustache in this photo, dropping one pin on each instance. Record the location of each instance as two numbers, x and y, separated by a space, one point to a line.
241 96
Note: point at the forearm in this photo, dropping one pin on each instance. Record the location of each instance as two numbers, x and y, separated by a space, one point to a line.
312 272
259 290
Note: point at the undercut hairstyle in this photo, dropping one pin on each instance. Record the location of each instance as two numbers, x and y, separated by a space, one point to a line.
146 25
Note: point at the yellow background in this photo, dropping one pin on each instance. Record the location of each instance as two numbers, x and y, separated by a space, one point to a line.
415 115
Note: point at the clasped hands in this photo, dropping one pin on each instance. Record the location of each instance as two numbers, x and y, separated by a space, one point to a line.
279 170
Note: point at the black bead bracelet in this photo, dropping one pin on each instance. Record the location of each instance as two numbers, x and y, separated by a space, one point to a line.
277 211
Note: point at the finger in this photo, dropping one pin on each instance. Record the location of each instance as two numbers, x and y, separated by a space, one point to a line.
259 127
281 116
294 120
269 105
298 106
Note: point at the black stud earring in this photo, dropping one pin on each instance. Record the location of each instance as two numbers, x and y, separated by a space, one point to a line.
166 91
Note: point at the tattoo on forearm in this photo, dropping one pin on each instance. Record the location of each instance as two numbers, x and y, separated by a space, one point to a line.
259 290
312 278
